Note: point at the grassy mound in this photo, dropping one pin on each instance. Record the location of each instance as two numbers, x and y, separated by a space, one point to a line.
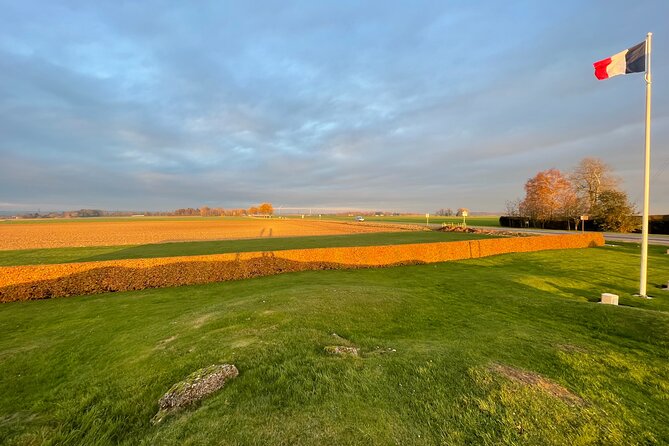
510 349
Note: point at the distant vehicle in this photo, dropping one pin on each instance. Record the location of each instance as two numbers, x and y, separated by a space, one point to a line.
359 218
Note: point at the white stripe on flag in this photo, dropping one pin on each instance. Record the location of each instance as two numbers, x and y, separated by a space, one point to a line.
618 64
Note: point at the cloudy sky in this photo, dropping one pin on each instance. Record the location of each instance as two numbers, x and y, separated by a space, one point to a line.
390 105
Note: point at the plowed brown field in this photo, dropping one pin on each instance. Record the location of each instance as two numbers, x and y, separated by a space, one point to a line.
72 234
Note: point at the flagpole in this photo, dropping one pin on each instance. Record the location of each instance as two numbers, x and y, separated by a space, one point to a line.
646 184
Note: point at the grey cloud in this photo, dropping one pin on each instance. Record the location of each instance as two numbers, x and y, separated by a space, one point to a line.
306 104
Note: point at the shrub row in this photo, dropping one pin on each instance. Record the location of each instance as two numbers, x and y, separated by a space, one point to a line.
657 224
45 281
526 222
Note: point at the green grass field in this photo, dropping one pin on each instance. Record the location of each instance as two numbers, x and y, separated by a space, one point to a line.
90 370
410 219
485 220
96 253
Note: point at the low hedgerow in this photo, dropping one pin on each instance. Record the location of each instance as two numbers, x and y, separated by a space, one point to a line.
46 281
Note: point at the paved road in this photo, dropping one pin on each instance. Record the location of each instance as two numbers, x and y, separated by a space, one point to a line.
653 239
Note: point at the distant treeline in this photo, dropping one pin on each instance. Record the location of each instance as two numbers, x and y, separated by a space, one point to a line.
657 224
204 211
81 213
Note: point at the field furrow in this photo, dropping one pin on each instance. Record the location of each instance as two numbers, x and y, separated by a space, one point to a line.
77 234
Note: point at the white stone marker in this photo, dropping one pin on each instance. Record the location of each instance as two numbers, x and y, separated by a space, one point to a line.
609 298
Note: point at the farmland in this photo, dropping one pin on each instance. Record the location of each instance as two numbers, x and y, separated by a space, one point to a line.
507 349
199 248
60 233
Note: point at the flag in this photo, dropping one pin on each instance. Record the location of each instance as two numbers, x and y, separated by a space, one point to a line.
632 60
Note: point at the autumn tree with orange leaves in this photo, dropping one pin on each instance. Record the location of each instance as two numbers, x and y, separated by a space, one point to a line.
591 189
549 195
263 209
266 209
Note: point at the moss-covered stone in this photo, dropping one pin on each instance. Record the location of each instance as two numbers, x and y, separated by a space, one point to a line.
196 386
341 350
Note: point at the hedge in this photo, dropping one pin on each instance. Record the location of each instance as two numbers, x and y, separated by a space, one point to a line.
70 279
657 224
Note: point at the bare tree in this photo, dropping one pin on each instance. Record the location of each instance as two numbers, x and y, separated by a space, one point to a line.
572 209
513 207
590 178
444 212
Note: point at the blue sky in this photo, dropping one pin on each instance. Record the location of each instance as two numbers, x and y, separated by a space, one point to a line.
409 106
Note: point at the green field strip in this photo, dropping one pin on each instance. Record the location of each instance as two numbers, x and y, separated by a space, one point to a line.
90 254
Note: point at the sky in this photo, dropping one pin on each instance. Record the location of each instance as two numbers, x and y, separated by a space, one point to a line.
379 105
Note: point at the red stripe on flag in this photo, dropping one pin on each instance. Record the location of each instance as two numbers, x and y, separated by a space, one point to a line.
600 69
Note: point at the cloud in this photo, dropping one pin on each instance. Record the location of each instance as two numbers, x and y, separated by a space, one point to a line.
407 107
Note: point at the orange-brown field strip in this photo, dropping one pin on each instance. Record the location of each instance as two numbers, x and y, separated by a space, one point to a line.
75 234
44 281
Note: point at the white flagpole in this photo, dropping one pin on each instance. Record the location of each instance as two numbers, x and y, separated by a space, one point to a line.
646 184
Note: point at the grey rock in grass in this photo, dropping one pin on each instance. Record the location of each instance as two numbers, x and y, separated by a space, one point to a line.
196 386
341 350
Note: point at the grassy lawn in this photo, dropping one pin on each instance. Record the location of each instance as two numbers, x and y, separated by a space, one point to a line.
436 342
88 254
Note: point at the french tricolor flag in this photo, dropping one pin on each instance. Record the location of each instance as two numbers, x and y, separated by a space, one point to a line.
632 60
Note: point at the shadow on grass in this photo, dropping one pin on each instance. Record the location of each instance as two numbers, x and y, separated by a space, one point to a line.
118 278
270 243
200 248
